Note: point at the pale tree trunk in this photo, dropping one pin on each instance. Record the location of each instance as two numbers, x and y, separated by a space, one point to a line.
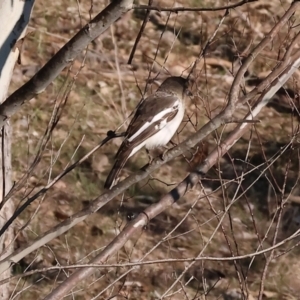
14 16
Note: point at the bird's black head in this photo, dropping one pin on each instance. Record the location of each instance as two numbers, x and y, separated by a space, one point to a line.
175 85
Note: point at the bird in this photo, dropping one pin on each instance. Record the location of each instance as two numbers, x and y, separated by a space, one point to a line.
154 123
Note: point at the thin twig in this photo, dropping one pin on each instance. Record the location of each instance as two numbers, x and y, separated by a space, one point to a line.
178 9
145 21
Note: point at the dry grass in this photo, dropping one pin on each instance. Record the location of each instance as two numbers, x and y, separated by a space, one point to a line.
102 96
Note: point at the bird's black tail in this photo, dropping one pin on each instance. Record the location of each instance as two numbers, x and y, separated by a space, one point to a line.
116 169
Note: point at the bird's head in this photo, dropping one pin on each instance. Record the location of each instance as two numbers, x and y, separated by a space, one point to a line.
176 85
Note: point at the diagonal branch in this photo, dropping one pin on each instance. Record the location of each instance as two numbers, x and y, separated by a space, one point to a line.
235 88
39 82
43 190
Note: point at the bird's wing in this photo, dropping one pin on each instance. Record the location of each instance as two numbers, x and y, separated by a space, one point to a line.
152 114
157 109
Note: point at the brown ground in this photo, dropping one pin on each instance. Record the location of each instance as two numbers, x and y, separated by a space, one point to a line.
104 93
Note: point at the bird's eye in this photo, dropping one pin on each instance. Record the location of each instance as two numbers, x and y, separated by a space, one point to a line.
188 93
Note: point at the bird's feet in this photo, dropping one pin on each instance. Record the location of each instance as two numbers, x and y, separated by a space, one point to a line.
150 157
167 148
158 152
162 156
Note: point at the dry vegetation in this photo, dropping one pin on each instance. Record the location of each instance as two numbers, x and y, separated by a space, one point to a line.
97 94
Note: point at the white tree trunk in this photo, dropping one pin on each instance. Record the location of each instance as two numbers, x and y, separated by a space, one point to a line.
14 16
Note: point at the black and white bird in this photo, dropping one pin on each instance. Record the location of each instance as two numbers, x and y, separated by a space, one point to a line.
155 122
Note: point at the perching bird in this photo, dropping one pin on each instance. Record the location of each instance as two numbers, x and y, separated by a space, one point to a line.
155 122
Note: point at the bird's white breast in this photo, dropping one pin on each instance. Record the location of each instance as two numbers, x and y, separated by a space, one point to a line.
167 130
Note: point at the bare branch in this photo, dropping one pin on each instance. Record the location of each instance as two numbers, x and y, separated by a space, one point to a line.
178 9
42 191
38 83
146 19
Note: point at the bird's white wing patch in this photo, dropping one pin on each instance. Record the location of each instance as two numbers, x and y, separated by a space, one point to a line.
156 118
